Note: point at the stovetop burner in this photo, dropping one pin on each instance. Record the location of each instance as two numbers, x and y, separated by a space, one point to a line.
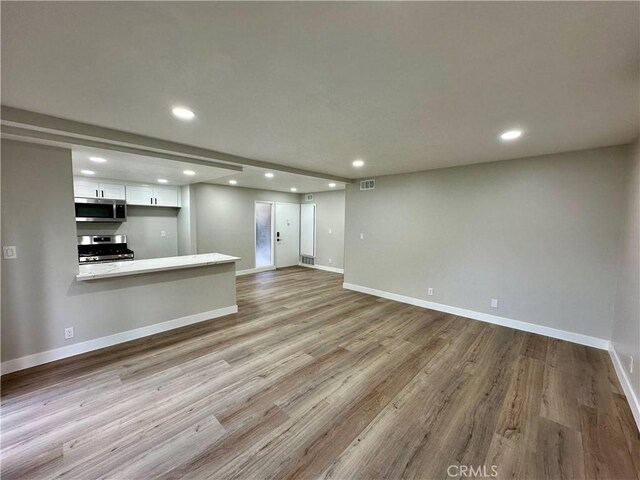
82 250
103 248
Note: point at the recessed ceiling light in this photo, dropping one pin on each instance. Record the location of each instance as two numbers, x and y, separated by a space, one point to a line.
189 172
87 172
163 180
268 175
233 182
358 163
294 189
98 159
511 134
332 185
183 113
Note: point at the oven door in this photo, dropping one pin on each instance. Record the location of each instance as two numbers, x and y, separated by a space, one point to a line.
100 210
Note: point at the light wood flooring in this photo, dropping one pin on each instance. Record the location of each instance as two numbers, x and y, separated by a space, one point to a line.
312 381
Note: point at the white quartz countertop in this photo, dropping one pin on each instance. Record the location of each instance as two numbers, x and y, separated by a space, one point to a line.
134 267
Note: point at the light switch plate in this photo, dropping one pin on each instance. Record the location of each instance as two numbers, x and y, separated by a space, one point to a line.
9 253
494 303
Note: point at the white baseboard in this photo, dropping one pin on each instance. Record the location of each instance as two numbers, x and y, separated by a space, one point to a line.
632 398
90 345
485 317
322 267
254 270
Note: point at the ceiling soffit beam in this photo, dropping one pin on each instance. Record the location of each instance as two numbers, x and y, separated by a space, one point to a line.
42 136
110 138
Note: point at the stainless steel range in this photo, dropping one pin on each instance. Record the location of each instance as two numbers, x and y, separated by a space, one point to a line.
103 248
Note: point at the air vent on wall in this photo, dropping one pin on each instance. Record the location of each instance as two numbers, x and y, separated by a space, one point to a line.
308 197
306 260
367 184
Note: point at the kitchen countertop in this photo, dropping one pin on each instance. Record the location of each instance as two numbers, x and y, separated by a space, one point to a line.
117 269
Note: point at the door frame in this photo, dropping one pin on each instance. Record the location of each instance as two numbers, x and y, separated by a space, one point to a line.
273 236
275 260
315 229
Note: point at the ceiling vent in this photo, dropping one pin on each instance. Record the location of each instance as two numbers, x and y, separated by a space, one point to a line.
367 184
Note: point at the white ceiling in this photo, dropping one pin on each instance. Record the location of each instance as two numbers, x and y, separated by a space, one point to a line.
129 167
138 168
253 177
405 86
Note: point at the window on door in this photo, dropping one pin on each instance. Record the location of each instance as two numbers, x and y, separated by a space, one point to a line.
264 234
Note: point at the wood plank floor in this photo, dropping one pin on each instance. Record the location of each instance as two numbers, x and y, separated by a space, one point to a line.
312 381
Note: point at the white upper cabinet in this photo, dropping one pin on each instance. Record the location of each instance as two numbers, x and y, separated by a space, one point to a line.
152 196
165 196
132 193
95 189
112 190
139 195
85 188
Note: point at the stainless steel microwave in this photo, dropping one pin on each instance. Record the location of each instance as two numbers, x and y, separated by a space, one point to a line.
100 210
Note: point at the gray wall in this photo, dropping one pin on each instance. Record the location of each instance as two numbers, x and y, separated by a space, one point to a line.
143 227
329 216
40 296
34 286
539 234
626 323
224 219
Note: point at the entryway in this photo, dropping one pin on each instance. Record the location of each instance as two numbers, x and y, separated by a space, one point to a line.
287 234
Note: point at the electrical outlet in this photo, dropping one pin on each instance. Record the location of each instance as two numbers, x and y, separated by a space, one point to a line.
163 233
9 253
330 260
362 236
331 231
494 303
430 291
69 333
630 364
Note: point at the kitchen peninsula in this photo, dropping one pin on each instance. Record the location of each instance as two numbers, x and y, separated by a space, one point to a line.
94 271
115 302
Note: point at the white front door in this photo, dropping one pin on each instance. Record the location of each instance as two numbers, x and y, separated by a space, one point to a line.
287 234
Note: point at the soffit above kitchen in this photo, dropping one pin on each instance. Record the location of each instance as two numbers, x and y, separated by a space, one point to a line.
147 169
129 167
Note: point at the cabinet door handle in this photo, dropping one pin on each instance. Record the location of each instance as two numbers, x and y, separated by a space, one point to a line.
97 193
156 201
102 193
151 200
